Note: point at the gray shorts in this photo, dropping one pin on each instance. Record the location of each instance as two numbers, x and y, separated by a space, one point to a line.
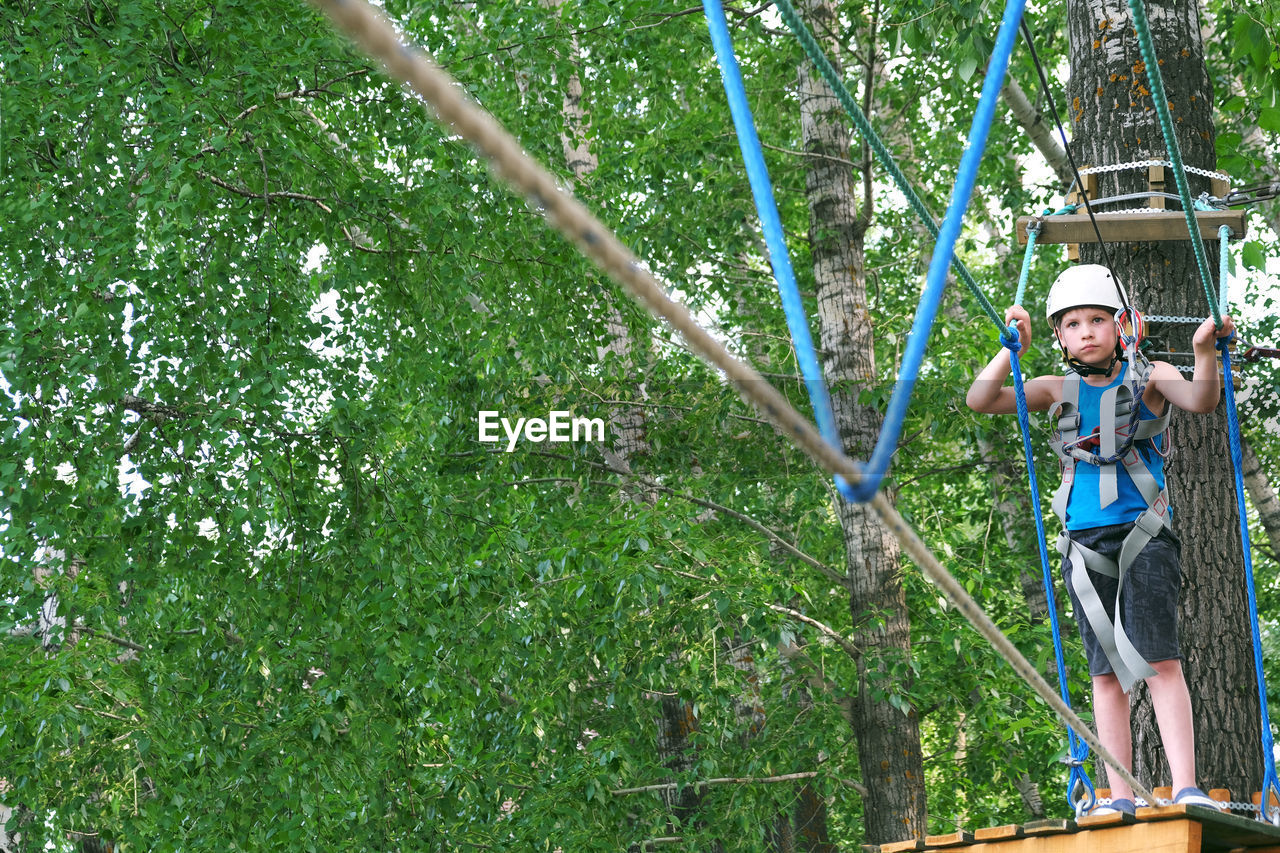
1149 602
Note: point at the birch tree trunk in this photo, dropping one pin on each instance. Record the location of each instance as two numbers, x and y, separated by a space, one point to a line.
1114 122
888 738
675 721
1262 494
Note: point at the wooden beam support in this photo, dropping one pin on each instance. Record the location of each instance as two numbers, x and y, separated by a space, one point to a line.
1155 182
1088 188
1132 227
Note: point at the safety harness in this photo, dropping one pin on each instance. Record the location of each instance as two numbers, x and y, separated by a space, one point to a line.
1121 434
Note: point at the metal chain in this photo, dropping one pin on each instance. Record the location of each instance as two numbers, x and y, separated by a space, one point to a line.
1166 318
1229 805
1143 164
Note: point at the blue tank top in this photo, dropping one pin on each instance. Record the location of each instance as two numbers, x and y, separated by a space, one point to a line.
1083 510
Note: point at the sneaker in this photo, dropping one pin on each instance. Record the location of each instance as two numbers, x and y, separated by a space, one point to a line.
1121 806
1195 797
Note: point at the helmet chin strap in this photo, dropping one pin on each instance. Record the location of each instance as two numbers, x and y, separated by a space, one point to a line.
1088 369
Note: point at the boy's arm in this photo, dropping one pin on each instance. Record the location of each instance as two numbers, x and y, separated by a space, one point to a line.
1201 393
989 395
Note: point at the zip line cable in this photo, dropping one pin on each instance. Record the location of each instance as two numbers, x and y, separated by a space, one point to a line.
1071 160
373 33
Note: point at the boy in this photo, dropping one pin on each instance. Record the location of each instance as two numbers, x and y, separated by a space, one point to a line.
1114 508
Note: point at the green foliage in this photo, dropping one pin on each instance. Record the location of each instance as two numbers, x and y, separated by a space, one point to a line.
254 300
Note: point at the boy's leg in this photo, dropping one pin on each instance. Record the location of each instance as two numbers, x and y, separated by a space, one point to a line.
1111 715
1172 703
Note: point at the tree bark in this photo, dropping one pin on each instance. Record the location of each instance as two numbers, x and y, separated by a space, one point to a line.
888 738
1113 122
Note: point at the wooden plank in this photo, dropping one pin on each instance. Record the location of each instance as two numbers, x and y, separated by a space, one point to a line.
1092 821
902 846
1132 227
1155 180
1088 188
1162 812
998 833
951 839
1222 795
1181 836
1226 831
1051 826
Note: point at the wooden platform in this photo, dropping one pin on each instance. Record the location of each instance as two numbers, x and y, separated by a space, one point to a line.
1132 227
1165 829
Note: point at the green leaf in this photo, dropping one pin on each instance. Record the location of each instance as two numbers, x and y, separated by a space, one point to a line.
1254 255
1269 119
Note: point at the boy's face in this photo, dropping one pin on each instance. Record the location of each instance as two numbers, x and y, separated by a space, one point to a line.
1089 334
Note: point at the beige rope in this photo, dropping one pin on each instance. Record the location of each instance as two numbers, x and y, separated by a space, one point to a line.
374 34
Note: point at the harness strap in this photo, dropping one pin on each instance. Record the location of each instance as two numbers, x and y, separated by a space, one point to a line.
1128 664
1117 422
1111 398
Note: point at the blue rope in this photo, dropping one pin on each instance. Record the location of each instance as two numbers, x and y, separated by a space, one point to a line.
1224 268
1033 231
948 234
771 223
1270 782
1077 748
936 280
881 151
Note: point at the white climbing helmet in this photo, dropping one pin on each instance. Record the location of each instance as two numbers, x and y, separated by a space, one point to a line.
1086 284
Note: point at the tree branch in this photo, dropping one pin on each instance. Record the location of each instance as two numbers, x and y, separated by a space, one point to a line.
265 196
111 638
772 536
850 649
106 714
1033 122
735 780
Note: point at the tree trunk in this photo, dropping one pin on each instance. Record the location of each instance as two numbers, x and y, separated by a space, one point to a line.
888 738
1113 122
1262 494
